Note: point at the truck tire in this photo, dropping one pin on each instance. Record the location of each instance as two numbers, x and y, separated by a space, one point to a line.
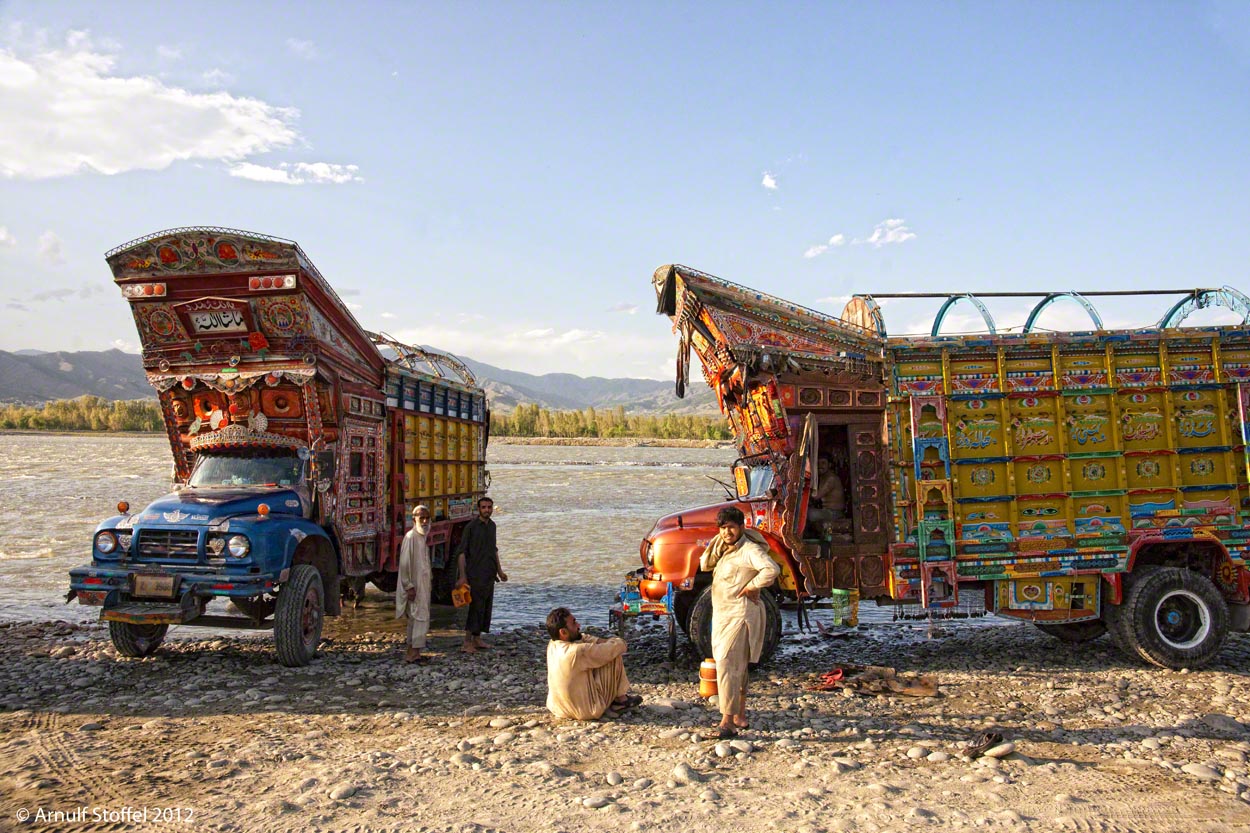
1175 618
1074 632
683 603
258 609
386 582
701 624
442 583
136 640
300 613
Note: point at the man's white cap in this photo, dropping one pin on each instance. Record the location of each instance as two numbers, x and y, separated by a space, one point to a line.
417 509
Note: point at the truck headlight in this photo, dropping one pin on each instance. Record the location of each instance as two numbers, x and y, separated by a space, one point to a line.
106 542
239 546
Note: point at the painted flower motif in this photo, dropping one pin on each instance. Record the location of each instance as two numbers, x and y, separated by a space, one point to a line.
257 341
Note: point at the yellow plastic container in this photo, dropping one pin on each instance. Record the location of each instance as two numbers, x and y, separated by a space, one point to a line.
438 439
461 597
423 437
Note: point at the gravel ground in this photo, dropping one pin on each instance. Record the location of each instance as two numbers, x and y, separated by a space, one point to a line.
211 726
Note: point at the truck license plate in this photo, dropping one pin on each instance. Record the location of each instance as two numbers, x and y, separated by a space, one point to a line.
154 586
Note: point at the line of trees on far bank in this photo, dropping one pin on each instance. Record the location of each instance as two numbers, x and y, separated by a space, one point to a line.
94 413
535 421
86 413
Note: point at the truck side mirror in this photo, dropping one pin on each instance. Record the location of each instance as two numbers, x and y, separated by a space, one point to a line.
324 466
742 483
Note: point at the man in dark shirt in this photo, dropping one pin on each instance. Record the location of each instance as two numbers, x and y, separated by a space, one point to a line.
480 569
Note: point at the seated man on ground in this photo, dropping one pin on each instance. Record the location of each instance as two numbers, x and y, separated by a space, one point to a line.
585 674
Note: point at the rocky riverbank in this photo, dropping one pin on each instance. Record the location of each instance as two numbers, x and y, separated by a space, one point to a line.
358 741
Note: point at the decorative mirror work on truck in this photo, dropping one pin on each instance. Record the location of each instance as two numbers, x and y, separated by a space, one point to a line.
315 434
1085 481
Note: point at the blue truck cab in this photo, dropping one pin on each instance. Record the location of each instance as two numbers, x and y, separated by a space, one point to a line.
242 528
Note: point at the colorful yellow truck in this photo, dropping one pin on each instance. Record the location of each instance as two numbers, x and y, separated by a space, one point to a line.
1083 481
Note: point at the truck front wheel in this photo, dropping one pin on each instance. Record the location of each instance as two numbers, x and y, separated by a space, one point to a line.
136 640
300 613
1075 632
1174 618
700 630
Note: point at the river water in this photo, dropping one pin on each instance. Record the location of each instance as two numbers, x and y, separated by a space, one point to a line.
570 518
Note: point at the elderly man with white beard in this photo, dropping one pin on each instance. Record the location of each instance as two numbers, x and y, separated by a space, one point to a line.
412 590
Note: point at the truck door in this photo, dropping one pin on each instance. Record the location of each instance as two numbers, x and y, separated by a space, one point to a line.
799 483
362 484
868 478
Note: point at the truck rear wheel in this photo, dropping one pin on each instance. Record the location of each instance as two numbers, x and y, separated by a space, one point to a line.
300 613
1074 632
443 581
1174 618
136 640
700 630
384 581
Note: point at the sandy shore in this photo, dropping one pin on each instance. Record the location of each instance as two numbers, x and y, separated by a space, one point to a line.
358 741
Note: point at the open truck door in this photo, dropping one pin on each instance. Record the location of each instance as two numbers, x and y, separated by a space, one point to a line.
780 371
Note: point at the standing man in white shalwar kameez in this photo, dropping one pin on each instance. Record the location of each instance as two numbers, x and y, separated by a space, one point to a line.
412 590
741 567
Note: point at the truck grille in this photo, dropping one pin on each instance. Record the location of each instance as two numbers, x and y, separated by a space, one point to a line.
168 543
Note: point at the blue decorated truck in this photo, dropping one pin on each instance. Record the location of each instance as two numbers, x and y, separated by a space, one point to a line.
300 441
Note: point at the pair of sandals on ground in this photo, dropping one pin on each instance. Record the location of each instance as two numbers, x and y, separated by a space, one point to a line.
622 703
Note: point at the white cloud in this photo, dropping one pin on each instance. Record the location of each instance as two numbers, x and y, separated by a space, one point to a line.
7 240
354 307
388 315
838 301
769 181
125 346
50 248
883 234
65 112
628 309
305 49
550 349
217 77
169 53
298 173
889 232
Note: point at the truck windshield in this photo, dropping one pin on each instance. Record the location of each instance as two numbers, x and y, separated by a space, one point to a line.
236 470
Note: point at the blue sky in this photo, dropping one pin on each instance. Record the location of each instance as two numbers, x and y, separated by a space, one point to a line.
500 179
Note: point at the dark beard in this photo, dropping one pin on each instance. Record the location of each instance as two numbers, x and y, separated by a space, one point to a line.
577 638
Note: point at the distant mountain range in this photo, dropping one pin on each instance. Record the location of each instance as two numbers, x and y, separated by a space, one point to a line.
31 376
